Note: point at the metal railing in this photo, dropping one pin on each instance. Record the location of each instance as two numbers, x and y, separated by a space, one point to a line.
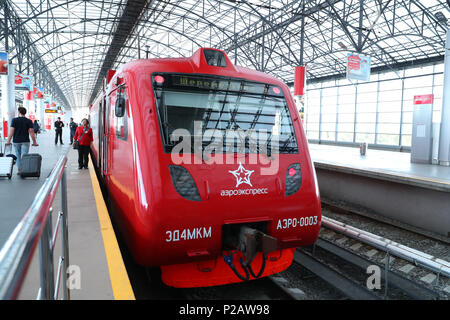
441 267
36 226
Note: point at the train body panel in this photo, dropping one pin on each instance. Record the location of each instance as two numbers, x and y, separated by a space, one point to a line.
177 208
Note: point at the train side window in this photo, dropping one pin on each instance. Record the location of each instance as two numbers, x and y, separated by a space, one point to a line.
121 114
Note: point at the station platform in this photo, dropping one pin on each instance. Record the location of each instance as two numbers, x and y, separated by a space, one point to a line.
387 184
387 165
97 271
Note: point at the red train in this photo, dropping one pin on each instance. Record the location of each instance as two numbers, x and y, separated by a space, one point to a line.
207 168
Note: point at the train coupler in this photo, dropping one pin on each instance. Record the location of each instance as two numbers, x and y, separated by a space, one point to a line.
250 242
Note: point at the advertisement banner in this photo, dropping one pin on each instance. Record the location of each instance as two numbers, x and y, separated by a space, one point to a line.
3 63
23 82
358 67
40 93
31 94
47 98
48 123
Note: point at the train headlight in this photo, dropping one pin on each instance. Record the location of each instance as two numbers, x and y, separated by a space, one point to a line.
159 79
184 183
293 179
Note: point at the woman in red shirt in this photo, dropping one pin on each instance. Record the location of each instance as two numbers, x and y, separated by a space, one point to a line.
83 135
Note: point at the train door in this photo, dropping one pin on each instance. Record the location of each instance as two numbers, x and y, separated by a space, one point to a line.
101 135
106 137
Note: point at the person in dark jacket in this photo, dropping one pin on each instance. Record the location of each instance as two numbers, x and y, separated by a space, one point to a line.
84 136
21 129
73 127
36 127
58 130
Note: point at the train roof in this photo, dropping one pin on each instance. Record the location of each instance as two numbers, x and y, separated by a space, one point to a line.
198 64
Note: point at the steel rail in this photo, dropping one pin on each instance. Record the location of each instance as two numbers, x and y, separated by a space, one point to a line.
342 283
35 228
411 288
427 261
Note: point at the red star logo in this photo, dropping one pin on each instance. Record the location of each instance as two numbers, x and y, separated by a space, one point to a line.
242 175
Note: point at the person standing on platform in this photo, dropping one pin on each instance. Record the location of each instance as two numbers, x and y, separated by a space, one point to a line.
58 130
84 136
21 129
73 127
36 127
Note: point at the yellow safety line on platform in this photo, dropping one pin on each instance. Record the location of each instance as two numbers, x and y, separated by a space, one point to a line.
118 274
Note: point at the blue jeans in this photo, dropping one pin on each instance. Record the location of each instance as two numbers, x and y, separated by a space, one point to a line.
21 149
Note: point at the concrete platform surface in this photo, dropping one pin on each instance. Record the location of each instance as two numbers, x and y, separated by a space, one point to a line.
386 165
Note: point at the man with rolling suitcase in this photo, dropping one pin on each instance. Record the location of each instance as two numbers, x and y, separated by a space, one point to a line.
21 129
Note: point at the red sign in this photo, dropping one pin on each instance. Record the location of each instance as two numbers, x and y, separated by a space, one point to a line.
354 62
18 79
3 67
5 129
424 99
30 95
299 81
49 123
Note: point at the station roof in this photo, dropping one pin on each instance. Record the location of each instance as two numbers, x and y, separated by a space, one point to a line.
79 40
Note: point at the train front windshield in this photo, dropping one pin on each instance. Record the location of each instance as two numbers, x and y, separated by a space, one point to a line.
214 110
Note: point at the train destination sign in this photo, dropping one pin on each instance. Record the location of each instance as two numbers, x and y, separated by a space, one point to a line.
221 84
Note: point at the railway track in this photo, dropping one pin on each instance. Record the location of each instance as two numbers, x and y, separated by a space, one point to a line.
344 263
347 271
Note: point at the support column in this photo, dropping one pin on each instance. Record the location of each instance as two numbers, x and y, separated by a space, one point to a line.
41 112
8 101
444 137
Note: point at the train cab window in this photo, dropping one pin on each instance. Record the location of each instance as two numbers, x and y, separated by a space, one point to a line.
225 106
121 114
215 58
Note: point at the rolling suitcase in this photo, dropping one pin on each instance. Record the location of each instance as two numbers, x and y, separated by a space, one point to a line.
30 165
6 165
